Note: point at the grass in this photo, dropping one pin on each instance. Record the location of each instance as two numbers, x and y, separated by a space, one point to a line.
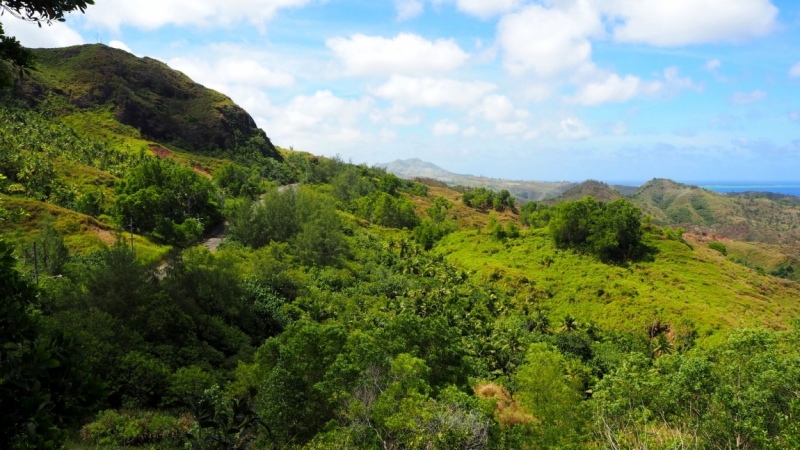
697 284
82 233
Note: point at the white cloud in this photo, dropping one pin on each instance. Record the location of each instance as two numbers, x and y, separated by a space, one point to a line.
432 92
748 98
231 71
404 54
614 89
508 128
445 127
153 14
572 128
794 72
311 122
408 9
611 88
712 65
120 45
57 35
685 22
470 132
548 41
497 108
487 8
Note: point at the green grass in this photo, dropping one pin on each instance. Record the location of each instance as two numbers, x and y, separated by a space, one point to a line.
681 283
82 233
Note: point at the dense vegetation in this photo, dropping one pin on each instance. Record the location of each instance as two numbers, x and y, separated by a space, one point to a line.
347 308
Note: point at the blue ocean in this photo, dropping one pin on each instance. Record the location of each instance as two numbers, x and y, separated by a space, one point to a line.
778 187
789 188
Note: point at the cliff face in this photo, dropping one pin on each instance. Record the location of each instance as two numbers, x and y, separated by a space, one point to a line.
164 104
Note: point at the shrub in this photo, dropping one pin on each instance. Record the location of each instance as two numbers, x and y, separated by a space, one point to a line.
718 246
611 231
114 428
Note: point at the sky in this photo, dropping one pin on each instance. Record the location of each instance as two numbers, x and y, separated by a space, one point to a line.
536 90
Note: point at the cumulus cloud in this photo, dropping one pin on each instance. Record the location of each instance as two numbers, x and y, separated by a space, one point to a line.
712 65
120 45
153 14
57 35
611 88
485 9
614 89
408 9
548 41
445 127
794 72
231 71
748 98
686 22
406 53
497 108
572 128
308 121
433 92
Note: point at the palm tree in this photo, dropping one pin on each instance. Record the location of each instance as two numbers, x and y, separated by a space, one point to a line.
569 324
661 346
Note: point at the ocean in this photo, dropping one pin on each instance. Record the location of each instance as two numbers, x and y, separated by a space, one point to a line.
778 187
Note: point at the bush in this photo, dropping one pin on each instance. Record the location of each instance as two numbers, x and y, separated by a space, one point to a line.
611 231
383 209
113 428
718 246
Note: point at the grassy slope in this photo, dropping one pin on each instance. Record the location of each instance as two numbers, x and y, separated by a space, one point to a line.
699 284
82 233
738 218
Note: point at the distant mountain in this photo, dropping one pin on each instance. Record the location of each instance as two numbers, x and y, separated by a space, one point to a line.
417 168
523 190
589 188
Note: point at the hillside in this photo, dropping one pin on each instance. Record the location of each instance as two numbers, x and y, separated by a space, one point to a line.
163 104
523 190
746 218
342 307
589 188
681 283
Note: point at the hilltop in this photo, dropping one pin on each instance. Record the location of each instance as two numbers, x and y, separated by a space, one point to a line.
589 188
164 105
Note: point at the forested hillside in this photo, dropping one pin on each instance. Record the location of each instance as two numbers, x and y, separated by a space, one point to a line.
348 308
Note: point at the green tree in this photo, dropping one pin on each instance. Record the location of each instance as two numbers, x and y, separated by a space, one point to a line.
45 386
167 199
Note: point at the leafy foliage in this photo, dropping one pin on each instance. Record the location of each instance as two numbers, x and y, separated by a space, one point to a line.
484 199
167 199
612 231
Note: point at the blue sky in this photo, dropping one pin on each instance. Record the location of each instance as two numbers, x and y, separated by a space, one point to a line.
544 90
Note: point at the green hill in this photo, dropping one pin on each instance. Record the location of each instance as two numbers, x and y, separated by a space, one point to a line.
747 218
163 104
681 283
589 188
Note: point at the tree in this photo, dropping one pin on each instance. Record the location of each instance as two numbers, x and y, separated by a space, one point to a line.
45 386
38 12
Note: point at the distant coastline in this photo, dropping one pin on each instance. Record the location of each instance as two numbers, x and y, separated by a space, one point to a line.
724 187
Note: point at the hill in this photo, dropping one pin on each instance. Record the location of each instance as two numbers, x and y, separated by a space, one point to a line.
523 190
740 217
697 284
589 188
143 93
